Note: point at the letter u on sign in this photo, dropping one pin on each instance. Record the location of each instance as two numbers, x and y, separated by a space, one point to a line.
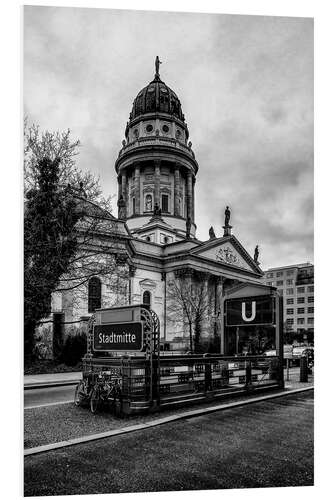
253 312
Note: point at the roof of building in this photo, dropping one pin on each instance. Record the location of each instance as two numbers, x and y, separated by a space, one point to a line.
292 266
157 97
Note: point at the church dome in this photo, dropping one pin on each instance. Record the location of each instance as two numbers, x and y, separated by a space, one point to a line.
157 97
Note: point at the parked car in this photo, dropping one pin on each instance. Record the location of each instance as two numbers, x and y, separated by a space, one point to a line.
303 351
287 351
298 352
287 354
270 352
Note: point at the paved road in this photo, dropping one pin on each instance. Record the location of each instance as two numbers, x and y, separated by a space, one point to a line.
49 395
264 444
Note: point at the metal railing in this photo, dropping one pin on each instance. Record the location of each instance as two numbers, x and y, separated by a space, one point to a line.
190 374
175 380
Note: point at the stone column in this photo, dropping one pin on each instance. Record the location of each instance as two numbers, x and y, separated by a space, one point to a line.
123 184
124 189
176 191
193 203
119 186
220 312
189 194
157 182
137 188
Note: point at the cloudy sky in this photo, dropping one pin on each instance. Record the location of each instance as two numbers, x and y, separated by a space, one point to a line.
246 87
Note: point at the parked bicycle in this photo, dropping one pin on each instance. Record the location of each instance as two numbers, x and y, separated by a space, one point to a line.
98 392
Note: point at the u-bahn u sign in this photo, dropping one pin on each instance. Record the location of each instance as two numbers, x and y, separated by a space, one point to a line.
250 311
118 337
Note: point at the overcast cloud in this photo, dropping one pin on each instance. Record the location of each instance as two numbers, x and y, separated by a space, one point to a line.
246 88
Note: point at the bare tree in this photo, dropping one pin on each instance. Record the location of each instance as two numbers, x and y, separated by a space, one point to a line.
59 145
187 297
69 235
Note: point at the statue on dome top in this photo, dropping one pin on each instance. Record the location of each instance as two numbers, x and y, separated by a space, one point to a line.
157 66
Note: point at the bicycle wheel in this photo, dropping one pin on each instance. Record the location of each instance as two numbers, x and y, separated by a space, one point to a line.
79 396
95 400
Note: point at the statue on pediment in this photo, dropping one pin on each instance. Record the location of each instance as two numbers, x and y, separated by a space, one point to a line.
211 233
121 207
227 216
157 210
256 254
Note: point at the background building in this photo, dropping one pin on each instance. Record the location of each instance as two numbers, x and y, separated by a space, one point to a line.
296 284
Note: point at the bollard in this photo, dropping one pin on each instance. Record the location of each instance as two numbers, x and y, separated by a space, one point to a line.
208 376
303 372
248 374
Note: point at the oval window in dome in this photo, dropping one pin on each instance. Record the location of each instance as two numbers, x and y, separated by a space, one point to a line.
149 128
165 128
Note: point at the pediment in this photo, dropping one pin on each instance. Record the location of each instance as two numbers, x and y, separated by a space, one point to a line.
228 251
147 283
249 290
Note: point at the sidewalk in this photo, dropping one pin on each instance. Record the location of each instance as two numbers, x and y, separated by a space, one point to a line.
51 379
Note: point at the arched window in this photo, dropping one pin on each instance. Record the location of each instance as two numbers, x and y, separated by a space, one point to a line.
146 298
94 294
165 203
149 203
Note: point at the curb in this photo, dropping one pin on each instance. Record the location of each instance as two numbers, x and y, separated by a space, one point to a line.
46 385
157 422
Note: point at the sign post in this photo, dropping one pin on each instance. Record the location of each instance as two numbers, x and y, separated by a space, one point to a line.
256 306
127 332
119 337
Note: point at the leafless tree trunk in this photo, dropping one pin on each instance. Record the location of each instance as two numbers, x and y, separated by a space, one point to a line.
187 294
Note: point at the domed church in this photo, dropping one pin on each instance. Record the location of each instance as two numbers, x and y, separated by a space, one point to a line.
156 168
161 261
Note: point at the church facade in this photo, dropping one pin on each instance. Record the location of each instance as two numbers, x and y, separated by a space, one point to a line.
158 259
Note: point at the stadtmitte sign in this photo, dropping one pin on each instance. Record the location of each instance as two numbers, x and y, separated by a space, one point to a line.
118 337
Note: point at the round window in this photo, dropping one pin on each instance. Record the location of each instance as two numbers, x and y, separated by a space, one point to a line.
165 128
149 128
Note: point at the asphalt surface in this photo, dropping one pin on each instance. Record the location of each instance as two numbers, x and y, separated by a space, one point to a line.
48 395
266 444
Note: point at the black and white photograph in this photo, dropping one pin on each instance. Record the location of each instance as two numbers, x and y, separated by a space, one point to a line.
168 212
